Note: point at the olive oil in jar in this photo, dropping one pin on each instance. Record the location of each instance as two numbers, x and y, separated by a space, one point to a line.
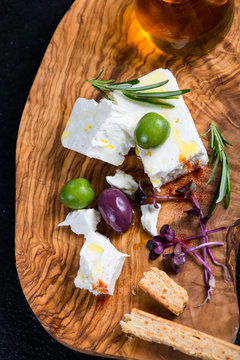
185 27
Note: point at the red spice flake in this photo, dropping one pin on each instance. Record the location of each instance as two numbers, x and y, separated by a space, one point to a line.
188 166
197 174
170 190
182 158
101 287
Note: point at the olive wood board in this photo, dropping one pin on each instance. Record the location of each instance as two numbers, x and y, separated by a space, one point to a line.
93 34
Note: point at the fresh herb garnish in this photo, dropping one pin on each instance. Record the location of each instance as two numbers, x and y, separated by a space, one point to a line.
137 93
219 156
167 237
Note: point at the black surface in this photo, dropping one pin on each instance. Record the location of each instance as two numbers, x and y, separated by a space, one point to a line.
26 27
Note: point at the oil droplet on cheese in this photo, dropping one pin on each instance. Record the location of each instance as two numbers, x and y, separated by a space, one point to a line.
68 123
156 182
87 128
187 148
65 134
82 277
104 141
110 147
95 248
148 153
136 150
164 160
152 79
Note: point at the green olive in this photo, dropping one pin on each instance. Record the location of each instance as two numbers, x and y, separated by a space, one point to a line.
77 194
151 131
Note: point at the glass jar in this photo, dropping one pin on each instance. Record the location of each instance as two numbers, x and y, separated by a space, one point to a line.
185 27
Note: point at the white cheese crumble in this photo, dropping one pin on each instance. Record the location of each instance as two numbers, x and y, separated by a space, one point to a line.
100 265
82 221
183 151
149 218
98 130
123 182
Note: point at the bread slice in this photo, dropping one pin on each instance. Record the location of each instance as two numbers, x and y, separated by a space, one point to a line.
189 341
163 289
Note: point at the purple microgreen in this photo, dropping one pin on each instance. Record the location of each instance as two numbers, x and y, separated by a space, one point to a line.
157 240
198 257
155 200
179 259
153 255
158 249
164 197
167 239
167 232
187 190
140 195
226 278
211 285
205 240
216 243
205 219
175 268
150 245
177 249
168 256
193 211
208 233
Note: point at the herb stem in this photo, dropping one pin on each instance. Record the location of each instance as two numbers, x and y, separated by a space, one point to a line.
137 93
219 156
208 233
217 243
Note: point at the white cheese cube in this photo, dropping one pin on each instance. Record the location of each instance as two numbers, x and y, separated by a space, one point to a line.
123 182
149 218
183 151
82 221
100 265
98 130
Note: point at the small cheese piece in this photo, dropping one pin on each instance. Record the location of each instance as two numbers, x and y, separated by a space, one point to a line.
100 265
149 218
82 221
123 182
98 130
183 151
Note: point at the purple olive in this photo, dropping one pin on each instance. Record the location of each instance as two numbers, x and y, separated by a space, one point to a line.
115 209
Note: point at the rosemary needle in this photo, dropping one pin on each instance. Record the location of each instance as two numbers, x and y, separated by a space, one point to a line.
137 93
219 156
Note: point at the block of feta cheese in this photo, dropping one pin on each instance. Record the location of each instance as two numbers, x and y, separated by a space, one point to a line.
149 218
98 130
82 221
123 182
100 265
183 151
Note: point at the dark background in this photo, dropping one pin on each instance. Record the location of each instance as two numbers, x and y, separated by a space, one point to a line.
26 27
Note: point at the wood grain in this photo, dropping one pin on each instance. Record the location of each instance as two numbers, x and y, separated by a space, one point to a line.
93 34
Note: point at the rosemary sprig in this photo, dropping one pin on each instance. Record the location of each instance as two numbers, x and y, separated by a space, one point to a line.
137 93
219 155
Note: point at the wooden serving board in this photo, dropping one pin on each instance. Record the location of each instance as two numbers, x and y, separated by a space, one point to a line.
92 34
